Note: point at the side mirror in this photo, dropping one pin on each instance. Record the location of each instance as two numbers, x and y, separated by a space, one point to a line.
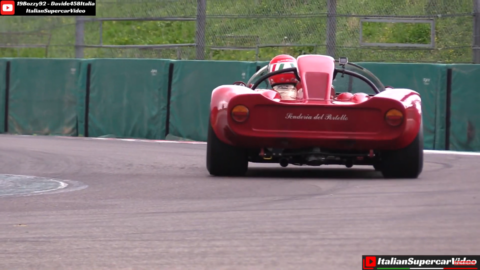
343 61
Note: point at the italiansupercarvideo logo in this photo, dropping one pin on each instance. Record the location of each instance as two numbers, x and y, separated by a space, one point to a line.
7 7
374 262
369 262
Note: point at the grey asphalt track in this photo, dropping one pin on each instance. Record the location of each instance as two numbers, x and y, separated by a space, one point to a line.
154 206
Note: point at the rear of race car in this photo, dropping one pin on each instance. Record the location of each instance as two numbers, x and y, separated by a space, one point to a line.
315 133
256 126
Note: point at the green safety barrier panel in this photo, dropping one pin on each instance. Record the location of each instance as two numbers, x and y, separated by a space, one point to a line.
3 72
192 86
43 96
430 81
128 98
464 115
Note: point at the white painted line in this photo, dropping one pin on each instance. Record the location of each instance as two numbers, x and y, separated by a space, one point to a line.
149 141
127 140
443 152
62 185
60 188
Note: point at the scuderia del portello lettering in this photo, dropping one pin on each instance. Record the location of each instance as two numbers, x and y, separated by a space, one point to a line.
327 117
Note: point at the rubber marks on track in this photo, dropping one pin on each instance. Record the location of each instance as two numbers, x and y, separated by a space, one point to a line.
23 185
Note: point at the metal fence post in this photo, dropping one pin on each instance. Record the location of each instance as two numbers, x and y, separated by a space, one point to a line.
200 29
476 31
79 37
331 27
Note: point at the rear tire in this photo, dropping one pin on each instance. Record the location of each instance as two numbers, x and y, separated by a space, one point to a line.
224 159
406 162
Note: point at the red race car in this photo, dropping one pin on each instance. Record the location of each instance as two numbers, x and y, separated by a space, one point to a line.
315 111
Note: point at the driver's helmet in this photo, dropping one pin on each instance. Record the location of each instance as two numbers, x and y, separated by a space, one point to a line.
285 83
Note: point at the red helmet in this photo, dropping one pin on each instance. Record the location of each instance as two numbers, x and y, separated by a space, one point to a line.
279 62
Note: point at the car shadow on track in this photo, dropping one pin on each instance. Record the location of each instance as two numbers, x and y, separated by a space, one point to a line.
314 173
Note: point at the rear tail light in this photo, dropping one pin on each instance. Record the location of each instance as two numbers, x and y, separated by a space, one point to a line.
394 117
240 113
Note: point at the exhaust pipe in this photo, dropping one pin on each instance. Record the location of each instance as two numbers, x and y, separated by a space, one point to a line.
284 162
349 163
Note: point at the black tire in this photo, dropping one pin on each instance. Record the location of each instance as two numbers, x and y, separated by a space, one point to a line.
406 162
224 159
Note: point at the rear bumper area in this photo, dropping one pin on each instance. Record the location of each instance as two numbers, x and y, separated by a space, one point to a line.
363 131
328 140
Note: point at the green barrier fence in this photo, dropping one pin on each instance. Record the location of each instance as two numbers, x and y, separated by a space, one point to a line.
42 96
146 98
128 98
3 86
464 121
430 81
192 85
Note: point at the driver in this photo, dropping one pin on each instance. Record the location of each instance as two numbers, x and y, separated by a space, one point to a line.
286 83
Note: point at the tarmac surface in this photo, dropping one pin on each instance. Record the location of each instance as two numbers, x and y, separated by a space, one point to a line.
109 204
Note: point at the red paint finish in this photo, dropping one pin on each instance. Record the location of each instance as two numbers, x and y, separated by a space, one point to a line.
348 122
345 97
316 74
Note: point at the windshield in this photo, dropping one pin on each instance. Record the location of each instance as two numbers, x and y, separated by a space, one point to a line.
357 84
347 83
257 75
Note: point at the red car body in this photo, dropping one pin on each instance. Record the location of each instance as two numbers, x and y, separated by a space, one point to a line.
345 122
